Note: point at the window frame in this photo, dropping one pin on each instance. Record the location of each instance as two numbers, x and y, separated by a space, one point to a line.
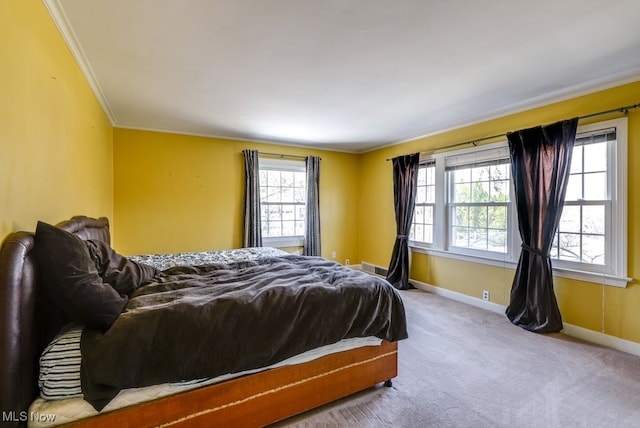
451 205
614 274
615 268
424 164
288 165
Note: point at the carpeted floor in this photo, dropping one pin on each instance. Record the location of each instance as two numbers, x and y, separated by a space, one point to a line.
467 367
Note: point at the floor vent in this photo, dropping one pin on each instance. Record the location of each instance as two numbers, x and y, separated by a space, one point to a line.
376 270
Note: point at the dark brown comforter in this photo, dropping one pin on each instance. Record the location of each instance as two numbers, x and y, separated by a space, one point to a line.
206 321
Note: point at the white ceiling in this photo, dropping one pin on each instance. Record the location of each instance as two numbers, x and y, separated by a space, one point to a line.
348 75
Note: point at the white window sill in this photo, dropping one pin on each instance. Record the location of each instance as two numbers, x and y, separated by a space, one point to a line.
283 241
593 277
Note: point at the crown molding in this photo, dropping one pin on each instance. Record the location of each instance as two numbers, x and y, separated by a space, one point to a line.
62 22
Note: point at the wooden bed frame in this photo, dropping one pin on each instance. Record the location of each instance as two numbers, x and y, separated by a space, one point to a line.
28 322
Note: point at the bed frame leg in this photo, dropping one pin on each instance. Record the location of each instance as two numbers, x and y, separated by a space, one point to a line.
388 383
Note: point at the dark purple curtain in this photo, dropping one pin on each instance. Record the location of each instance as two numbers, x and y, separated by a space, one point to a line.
405 184
252 230
540 163
312 225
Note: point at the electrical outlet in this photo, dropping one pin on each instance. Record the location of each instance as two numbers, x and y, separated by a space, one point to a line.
333 254
347 262
485 295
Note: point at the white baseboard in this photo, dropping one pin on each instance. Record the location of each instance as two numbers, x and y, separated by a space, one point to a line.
609 341
454 295
582 333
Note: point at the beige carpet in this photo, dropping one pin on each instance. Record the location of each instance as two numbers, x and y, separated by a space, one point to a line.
466 367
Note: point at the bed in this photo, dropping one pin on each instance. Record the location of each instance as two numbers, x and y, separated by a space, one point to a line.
258 397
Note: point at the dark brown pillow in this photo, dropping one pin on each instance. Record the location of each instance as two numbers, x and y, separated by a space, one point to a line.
122 274
72 280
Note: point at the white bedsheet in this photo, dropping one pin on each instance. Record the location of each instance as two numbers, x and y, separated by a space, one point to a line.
46 413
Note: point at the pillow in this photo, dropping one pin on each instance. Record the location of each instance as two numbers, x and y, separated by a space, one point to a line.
72 280
122 274
59 376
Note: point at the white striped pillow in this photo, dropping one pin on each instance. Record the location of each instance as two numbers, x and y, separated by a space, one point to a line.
60 365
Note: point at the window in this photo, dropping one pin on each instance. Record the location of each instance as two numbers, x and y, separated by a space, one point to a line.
479 203
465 207
422 224
592 231
479 206
282 201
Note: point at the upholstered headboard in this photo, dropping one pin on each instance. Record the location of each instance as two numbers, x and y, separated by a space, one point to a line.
28 319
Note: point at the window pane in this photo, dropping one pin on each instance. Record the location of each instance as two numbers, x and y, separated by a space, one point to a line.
500 191
421 195
480 191
288 212
288 228
574 188
478 238
595 157
581 236
569 245
480 173
576 160
462 175
274 212
460 236
419 233
422 176
498 241
593 219
422 227
300 180
570 220
595 186
593 249
275 229
299 228
500 172
428 234
460 216
287 194
299 195
497 217
286 179
428 215
274 194
301 212
461 193
273 178
431 194
418 215
431 175
478 217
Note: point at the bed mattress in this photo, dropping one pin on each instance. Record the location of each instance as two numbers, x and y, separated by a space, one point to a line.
55 412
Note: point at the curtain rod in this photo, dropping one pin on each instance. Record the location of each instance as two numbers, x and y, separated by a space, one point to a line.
280 155
475 142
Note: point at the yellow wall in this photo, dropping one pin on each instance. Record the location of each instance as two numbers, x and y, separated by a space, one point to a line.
166 192
184 193
56 144
581 303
